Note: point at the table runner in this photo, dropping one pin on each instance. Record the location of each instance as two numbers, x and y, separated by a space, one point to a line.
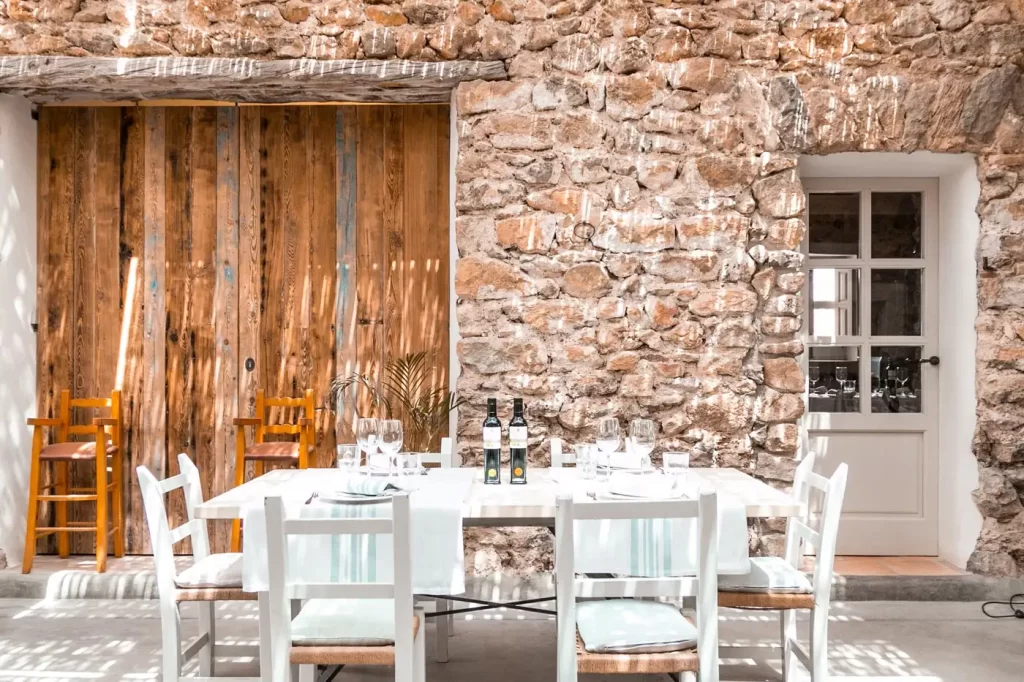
436 528
655 548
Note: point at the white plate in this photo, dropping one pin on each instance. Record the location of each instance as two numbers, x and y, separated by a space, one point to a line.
341 497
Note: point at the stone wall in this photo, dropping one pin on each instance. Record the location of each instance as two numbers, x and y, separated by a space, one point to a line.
629 212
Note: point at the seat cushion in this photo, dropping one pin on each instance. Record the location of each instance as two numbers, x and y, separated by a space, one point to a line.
345 622
767 574
631 626
216 570
273 450
73 450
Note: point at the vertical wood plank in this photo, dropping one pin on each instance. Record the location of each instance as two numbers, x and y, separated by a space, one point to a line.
346 136
395 302
132 363
200 325
226 313
272 264
323 269
179 294
250 297
154 306
84 283
370 248
295 218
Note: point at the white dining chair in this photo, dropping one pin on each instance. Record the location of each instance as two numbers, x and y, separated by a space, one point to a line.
778 584
211 577
344 623
620 601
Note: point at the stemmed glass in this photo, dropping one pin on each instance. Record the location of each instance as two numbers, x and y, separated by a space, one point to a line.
608 437
903 376
641 438
391 441
814 374
841 377
367 433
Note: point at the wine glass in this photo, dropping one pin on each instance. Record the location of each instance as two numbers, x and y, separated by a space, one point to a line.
607 440
841 375
641 438
814 374
391 440
903 376
367 432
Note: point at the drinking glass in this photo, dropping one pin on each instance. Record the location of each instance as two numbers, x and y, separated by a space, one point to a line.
676 463
390 442
841 376
408 464
347 458
585 460
641 438
814 374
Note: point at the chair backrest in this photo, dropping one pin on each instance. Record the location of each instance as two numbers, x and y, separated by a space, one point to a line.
445 459
703 585
283 589
290 410
68 429
557 458
162 537
800 532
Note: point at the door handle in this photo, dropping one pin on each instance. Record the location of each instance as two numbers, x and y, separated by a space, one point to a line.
933 360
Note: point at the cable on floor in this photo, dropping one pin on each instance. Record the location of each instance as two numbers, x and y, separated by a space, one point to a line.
1016 606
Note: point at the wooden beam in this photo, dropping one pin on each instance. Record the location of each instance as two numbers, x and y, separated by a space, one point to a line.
67 79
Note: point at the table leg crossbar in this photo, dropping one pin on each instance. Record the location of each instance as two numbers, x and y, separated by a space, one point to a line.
485 605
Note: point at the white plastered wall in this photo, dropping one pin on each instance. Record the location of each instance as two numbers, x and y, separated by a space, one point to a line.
17 304
959 190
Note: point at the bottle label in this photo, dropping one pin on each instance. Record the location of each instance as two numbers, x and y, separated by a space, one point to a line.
517 437
492 438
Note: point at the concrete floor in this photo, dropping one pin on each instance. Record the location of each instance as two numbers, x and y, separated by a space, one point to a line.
870 642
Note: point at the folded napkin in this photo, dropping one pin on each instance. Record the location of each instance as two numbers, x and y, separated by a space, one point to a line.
620 460
642 486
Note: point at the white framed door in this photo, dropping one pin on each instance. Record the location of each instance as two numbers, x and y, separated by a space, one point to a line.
871 331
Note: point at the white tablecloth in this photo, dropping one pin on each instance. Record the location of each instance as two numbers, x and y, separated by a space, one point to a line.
658 547
436 527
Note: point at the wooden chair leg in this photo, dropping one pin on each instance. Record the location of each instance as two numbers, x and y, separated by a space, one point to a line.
236 525
33 503
101 510
61 472
118 504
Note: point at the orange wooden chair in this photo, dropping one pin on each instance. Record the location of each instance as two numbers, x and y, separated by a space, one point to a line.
63 450
261 451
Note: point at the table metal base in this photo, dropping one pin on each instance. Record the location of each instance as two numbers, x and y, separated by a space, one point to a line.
485 605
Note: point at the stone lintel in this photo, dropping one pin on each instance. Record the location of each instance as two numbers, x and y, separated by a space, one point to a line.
46 79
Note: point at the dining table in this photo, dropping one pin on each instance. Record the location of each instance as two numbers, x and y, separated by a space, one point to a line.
523 505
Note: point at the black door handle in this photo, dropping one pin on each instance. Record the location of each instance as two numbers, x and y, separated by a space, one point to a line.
933 360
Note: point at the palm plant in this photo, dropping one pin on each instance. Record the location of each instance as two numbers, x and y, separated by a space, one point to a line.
404 391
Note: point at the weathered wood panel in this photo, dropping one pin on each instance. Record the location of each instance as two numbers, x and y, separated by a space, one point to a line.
176 244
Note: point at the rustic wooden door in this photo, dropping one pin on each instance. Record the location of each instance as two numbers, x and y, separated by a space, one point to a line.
192 255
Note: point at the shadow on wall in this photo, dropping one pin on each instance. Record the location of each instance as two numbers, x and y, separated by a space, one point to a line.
17 304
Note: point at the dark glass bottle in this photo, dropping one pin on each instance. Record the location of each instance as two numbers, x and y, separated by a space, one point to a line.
517 437
492 443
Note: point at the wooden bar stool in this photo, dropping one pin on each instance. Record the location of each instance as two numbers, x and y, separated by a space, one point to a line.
261 451
105 434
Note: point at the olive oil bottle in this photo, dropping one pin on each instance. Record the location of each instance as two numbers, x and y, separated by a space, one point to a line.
517 437
492 443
